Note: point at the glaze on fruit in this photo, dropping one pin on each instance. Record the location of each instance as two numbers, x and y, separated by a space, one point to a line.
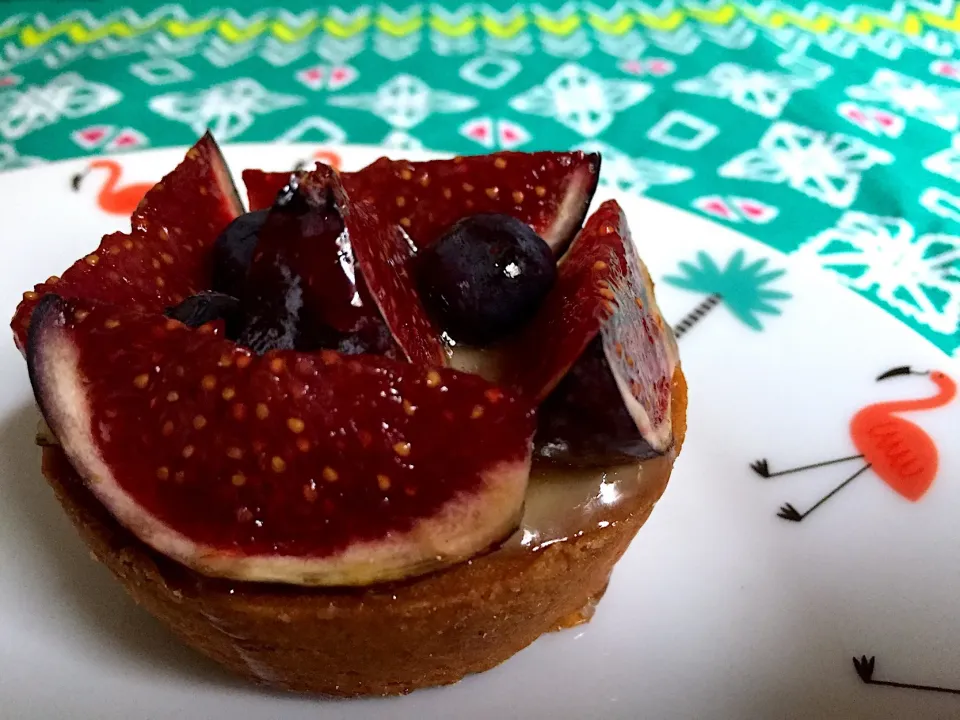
314 469
584 420
233 252
485 277
166 257
384 257
303 289
206 307
549 191
254 460
603 289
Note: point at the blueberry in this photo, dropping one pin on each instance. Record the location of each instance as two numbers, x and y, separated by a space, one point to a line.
273 318
290 196
233 251
485 277
206 307
279 319
370 337
299 289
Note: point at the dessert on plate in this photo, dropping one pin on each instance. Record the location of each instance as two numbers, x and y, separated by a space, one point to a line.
380 431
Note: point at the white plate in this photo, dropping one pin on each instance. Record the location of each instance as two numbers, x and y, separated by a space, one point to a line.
720 609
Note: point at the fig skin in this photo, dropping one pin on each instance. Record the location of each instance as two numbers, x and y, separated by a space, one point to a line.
584 422
323 469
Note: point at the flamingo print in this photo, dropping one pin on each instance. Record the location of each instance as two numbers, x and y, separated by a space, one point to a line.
865 667
112 199
897 450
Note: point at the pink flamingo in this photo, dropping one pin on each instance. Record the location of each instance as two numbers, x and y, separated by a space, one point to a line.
897 450
112 199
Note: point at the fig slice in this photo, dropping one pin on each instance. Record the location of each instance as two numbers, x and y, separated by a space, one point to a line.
302 289
263 187
312 469
603 291
549 191
385 257
375 251
166 256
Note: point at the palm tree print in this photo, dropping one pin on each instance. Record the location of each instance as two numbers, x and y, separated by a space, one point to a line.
743 289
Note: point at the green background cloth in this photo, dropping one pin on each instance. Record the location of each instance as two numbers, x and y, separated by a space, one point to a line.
828 134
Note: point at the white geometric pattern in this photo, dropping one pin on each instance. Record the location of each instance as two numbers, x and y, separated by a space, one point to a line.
628 46
160 45
161 71
940 202
315 129
493 133
844 38
480 130
339 50
11 160
224 54
66 96
573 46
452 44
519 44
446 45
758 92
396 48
736 209
795 61
875 121
405 101
580 99
399 140
935 104
490 72
681 41
125 140
825 167
109 47
319 77
683 131
280 54
93 136
919 276
946 162
938 7
738 36
634 175
227 109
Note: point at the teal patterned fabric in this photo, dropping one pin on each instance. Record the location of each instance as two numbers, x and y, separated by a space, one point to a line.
824 130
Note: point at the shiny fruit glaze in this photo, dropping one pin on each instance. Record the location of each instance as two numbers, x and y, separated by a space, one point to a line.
233 251
287 453
584 422
167 255
485 277
384 258
206 307
602 289
303 289
245 460
547 190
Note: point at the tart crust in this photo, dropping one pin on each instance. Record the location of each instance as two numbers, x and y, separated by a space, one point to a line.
381 640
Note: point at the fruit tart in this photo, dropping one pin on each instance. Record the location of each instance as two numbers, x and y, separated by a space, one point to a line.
381 431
